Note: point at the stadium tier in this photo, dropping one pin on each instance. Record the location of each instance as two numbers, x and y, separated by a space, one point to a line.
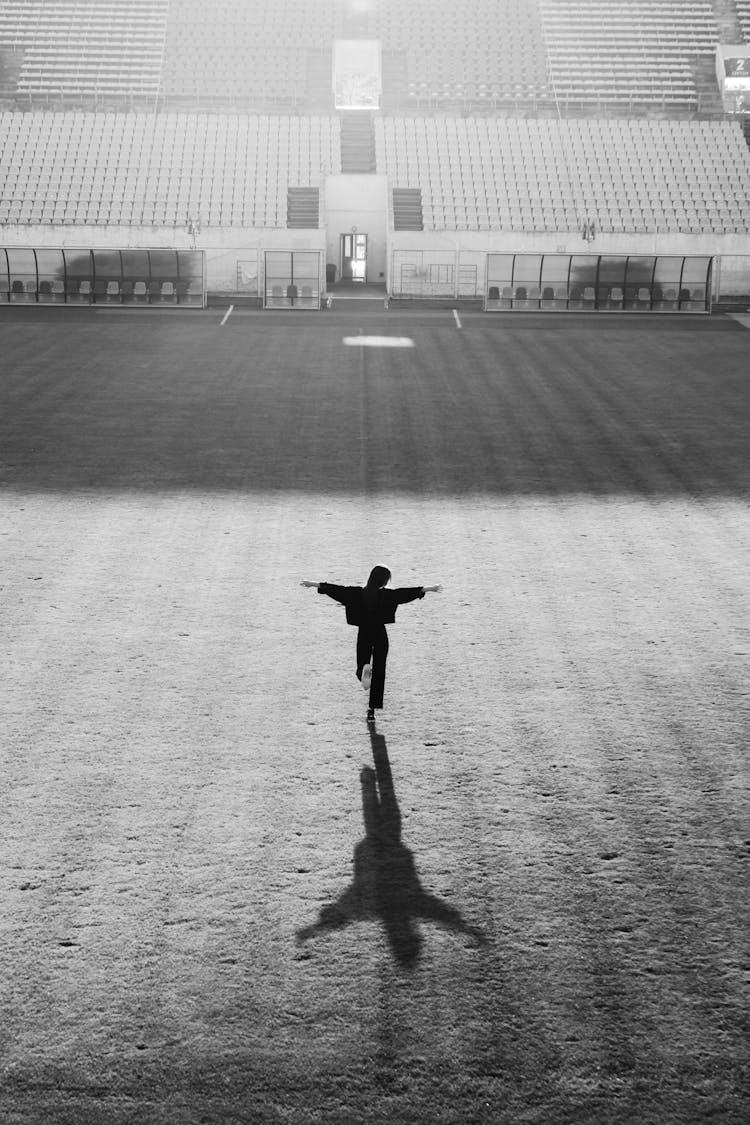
232 52
478 51
743 15
473 173
110 47
550 175
634 51
160 170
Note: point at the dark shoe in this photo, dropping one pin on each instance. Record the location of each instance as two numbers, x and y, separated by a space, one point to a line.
371 714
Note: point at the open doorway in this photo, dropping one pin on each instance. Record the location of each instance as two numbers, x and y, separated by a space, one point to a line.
354 257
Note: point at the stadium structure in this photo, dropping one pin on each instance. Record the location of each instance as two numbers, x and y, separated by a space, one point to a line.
525 154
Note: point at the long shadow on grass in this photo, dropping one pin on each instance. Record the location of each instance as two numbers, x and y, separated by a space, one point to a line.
386 885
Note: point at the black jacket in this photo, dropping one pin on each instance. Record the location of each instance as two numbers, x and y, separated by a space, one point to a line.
381 610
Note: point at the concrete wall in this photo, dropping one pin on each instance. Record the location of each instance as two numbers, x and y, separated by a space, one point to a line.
224 247
470 248
361 202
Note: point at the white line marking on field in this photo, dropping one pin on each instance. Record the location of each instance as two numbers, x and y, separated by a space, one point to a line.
227 315
457 318
378 342
744 320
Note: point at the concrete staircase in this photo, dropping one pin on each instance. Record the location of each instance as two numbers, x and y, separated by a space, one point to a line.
710 102
302 208
407 209
725 14
10 68
357 143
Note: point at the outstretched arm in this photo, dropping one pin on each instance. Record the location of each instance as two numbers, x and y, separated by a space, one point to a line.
338 593
433 589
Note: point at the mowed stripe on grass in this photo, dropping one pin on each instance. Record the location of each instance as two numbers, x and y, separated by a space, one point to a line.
490 409
566 728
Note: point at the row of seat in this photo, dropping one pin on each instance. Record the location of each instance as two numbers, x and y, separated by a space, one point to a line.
55 289
635 51
554 175
111 47
227 170
473 173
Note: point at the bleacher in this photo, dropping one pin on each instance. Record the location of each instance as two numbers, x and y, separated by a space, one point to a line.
632 53
541 175
478 173
70 49
743 17
125 169
479 51
229 52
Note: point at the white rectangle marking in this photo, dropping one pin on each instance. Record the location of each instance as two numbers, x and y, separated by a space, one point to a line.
378 342
457 318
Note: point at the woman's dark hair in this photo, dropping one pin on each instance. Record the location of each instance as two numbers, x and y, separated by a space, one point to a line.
379 577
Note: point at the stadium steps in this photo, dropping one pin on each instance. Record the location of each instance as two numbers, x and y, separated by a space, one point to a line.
302 208
707 90
357 143
725 14
10 68
407 209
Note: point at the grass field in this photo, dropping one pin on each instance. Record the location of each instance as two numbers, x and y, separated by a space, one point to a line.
522 898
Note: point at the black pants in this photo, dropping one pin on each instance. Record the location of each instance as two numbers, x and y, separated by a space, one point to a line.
372 646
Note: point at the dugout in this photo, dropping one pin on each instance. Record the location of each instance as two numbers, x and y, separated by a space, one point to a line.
293 279
145 277
605 283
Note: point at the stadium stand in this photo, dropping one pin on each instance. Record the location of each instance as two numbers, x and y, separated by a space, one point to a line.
124 169
483 51
230 53
535 120
635 52
743 16
71 49
549 175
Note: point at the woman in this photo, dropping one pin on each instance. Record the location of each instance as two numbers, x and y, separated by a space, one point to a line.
371 608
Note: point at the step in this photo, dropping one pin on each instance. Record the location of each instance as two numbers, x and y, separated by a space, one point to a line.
407 209
303 208
357 143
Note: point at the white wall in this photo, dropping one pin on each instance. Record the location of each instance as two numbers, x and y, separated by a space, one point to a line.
361 202
364 204
224 246
472 246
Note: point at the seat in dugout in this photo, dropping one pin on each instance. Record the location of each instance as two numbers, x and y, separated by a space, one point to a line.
100 276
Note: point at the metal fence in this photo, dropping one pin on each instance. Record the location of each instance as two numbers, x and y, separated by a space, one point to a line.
436 273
